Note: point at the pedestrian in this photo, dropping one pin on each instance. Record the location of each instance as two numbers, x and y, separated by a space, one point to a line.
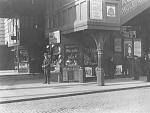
148 67
46 68
111 68
125 66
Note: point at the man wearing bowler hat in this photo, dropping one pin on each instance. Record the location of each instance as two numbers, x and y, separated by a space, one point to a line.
46 68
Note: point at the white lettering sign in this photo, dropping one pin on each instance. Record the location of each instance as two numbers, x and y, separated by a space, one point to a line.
137 48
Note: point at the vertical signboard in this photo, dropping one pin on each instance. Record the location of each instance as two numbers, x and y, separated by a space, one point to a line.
137 47
128 50
96 9
111 10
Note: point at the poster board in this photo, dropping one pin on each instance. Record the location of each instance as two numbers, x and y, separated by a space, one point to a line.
137 47
128 48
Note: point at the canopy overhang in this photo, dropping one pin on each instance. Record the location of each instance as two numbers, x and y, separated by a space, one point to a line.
12 8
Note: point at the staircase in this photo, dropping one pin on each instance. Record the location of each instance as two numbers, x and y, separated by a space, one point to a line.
131 8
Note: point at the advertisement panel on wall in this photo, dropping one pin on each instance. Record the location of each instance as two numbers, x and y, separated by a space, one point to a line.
96 9
128 50
137 47
54 37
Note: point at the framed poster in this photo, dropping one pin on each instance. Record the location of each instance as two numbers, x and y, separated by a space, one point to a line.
117 45
111 10
88 71
128 49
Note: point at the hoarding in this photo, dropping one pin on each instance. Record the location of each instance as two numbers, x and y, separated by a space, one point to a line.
111 10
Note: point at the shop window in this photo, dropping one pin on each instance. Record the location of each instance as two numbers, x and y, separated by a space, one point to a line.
72 53
90 56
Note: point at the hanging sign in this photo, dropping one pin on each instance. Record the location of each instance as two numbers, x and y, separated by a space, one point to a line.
54 37
88 71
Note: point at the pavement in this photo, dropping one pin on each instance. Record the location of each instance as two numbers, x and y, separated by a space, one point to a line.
28 90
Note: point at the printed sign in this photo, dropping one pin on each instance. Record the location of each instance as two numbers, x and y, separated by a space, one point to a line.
118 70
111 10
96 9
88 71
137 48
54 37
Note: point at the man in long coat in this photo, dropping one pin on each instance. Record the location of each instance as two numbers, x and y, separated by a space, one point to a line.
46 68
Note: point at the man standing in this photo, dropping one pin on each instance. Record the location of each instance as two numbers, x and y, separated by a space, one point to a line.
148 67
46 68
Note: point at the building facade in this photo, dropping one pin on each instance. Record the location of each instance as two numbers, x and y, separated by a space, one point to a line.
87 29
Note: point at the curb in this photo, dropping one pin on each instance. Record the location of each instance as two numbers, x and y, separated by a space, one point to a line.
71 94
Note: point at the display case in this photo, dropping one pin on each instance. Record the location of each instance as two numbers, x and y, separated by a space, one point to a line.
71 70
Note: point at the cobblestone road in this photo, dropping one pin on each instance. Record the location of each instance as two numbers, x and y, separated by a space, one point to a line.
125 101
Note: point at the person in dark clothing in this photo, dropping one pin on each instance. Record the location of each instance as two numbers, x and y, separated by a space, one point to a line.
143 65
111 68
136 68
46 68
148 67
125 66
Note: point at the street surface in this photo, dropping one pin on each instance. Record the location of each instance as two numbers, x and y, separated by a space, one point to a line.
124 101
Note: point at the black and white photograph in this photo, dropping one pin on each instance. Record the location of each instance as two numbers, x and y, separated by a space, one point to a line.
74 56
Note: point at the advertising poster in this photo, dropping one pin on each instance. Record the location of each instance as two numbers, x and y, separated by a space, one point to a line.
128 51
96 9
137 48
54 37
88 71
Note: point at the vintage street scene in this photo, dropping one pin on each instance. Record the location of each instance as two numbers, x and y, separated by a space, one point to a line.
74 56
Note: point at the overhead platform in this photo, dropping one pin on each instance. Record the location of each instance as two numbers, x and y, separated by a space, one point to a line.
12 8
